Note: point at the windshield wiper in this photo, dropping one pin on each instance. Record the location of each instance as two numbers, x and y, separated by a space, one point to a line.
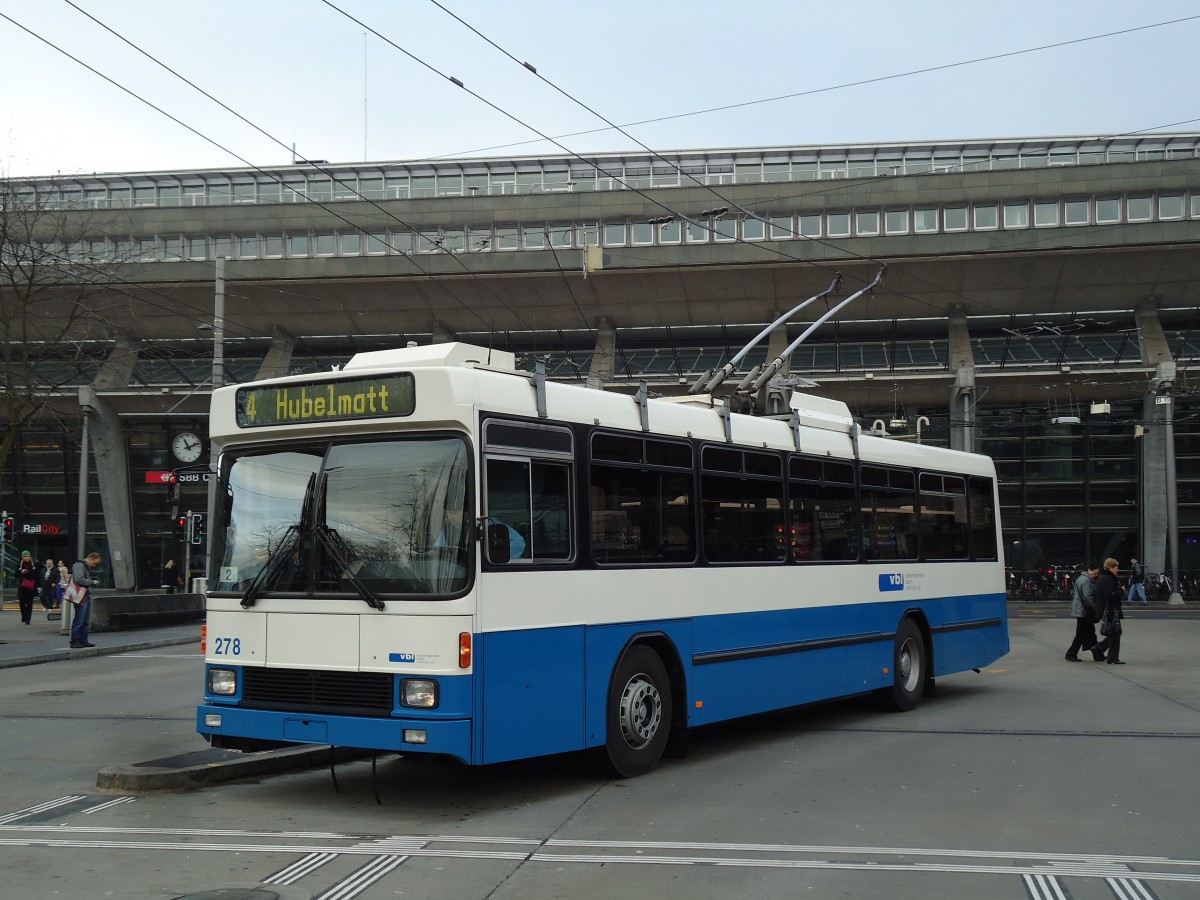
333 544
274 562
272 566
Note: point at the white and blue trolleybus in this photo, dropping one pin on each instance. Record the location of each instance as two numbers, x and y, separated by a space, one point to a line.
430 551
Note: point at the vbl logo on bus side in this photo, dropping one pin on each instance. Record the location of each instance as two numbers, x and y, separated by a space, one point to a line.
891 582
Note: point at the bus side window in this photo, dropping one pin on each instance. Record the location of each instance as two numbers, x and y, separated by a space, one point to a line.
531 498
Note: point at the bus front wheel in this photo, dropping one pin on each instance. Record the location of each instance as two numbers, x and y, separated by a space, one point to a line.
638 717
909 670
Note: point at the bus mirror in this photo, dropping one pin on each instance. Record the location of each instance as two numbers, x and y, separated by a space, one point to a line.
497 543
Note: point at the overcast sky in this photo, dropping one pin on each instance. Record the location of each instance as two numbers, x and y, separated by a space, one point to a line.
309 76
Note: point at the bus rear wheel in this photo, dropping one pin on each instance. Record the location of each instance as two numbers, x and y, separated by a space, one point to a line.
909 670
638 717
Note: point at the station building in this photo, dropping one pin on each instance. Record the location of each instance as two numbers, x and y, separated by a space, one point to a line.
1038 304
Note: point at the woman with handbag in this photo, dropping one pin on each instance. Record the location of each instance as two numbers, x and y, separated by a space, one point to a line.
1108 597
26 586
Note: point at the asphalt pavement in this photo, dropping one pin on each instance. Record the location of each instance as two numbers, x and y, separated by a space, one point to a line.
43 641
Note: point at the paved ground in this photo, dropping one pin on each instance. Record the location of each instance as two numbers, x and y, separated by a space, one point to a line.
43 640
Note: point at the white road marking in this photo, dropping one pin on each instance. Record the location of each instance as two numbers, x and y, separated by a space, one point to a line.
362 878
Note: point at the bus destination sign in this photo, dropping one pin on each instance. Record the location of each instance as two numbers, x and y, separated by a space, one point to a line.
326 401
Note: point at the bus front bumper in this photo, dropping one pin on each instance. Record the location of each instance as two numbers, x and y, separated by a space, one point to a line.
449 737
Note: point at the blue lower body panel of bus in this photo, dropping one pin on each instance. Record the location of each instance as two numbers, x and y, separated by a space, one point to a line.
540 691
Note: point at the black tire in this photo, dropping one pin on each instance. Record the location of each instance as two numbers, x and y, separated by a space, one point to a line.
910 670
638 716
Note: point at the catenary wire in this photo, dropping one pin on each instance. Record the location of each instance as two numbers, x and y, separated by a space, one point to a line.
845 85
440 283
729 203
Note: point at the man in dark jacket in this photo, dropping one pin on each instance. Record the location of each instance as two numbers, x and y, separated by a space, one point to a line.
1137 582
48 580
1084 609
1108 598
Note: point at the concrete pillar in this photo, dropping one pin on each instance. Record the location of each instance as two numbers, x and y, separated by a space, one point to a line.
279 356
962 392
1157 498
442 334
111 454
777 342
109 450
604 355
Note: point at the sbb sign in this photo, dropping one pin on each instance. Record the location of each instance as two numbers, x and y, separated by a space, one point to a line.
171 478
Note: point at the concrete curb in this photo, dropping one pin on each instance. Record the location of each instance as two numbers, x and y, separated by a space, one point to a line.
214 766
67 653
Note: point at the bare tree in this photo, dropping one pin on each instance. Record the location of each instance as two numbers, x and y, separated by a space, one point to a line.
50 304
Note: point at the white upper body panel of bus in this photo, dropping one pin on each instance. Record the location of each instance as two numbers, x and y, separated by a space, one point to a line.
455 381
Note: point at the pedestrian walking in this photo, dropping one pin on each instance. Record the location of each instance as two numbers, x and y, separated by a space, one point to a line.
64 575
1108 597
79 592
170 578
1137 582
49 578
1084 609
26 585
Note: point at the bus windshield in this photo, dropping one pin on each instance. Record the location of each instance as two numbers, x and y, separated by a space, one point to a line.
376 517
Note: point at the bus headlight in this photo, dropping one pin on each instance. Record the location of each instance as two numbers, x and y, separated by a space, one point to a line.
222 681
419 693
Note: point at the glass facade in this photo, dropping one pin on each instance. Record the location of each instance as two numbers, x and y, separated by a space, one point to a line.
42 496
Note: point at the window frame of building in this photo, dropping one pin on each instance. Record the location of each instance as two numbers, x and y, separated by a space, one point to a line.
324 243
247 246
642 233
866 223
533 237
508 238
1163 213
896 221
171 249
753 228
561 235
1015 214
833 224
298 244
616 234
697 233
1046 214
948 211
985 216
479 239
922 212
273 246
1139 208
375 243
1072 207
1108 210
